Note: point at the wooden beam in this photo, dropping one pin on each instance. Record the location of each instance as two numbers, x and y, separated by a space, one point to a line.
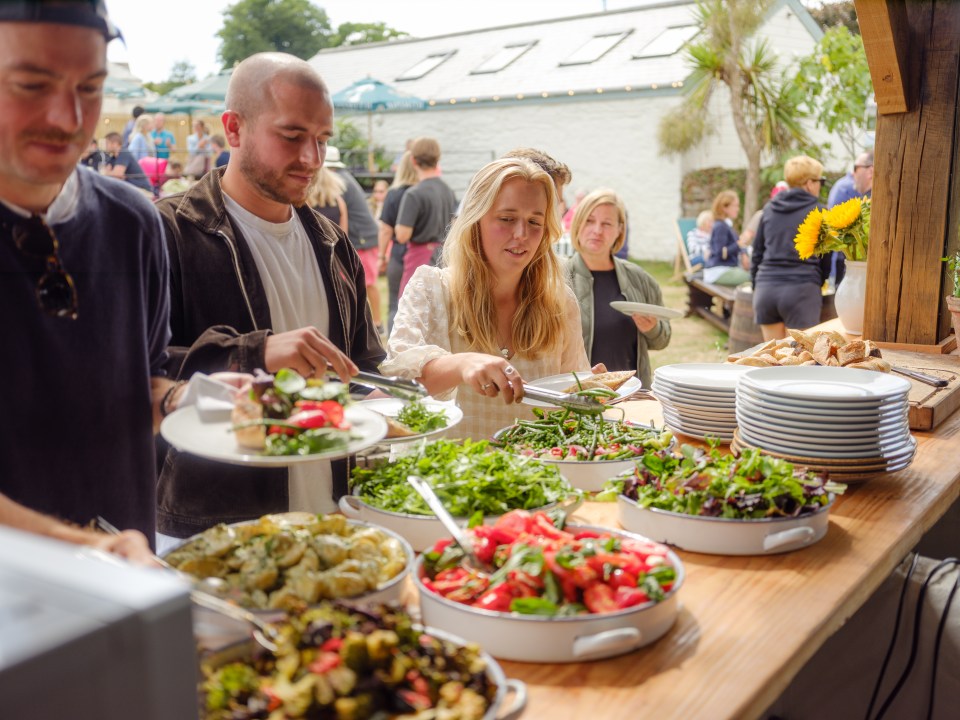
884 29
913 186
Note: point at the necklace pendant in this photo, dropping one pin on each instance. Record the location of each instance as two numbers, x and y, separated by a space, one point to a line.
505 352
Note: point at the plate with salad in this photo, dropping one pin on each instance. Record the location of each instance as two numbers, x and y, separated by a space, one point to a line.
720 504
277 421
412 420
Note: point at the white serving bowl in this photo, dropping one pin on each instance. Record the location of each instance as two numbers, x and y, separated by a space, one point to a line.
421 531
533 638
725 536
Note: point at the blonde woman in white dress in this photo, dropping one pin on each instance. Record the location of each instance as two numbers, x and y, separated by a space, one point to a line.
498 312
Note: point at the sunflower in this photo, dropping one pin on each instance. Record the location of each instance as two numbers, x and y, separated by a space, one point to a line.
843 215
808 234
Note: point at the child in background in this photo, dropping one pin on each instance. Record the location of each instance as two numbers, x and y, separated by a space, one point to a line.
698 239
175 182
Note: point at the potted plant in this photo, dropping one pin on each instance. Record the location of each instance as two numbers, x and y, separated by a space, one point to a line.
953 300
843 228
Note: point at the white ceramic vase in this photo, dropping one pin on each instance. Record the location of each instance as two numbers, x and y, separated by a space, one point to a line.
850 296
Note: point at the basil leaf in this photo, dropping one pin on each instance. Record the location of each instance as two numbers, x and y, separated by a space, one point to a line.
289 381
533 606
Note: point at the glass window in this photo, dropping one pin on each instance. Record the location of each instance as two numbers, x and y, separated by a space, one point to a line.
503 57
429 63
595 48
668 42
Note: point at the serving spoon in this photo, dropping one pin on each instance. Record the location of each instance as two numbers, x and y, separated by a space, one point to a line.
460 536
263 632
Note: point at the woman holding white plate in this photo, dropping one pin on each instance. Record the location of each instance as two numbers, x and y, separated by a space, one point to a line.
497 313
619 339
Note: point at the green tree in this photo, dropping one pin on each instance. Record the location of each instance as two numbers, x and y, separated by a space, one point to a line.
832 14
181 73
350 33
292 26
834 81
764 108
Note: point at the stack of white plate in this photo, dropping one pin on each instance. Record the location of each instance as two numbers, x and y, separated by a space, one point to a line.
852 423
699 399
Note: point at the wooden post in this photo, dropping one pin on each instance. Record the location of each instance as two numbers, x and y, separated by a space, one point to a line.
915 176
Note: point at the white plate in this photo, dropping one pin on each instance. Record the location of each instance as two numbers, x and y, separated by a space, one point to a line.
826 441
722 416
657 311
216 441
893 449
826 383
694 430
819 417
867 407
391 407
706 393
668 397
696 376
561 382
822 429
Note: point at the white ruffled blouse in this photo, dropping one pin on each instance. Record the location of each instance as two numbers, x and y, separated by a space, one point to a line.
421 333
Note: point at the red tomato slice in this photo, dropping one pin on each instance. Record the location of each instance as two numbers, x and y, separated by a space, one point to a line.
600 598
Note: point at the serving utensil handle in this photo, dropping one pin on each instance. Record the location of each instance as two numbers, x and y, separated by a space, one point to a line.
922 377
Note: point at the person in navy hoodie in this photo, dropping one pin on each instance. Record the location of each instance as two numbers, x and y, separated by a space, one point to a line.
724 264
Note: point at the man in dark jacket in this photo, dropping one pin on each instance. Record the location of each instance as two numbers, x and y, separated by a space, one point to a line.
259 280
787 289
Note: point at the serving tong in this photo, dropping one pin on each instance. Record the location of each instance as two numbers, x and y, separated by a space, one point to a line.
564 400
263 632
397 387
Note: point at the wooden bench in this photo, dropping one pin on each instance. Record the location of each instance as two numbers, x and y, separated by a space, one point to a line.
700 301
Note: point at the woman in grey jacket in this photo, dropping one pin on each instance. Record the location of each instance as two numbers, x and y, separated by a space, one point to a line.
618 341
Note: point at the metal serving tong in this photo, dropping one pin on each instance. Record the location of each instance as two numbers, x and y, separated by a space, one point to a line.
459 535
564 400
397 387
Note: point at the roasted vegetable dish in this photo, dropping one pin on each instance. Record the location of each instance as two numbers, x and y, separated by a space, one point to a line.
468 478
543 569
278 564
340 663
569 435
712 484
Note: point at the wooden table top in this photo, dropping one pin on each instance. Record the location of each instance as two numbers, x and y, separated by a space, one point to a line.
748 624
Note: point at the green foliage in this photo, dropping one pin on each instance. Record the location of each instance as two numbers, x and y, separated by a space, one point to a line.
841 13
350 33
834 82
182 73
292 26
353 144
953 266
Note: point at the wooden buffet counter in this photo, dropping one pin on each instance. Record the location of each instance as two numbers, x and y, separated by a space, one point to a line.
748 624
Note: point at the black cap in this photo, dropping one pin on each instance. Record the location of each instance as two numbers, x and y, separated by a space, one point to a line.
85 13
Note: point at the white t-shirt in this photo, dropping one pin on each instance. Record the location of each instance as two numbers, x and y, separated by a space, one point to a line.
295 293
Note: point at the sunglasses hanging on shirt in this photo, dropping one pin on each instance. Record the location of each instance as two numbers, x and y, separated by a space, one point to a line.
56 292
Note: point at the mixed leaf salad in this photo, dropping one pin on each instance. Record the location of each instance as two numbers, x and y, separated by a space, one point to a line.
712 484
570 435
469 478
286 414
543 569
420 419
342 663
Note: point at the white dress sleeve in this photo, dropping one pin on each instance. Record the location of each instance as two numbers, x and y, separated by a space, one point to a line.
421 328
574 355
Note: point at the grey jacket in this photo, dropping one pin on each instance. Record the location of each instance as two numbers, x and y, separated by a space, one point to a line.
636 286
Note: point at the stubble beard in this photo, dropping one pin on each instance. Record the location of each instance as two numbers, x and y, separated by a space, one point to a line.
268 182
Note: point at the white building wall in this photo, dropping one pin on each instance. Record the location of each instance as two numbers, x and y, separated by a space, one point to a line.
605 144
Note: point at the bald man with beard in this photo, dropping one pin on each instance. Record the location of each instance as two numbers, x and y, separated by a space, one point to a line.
260 280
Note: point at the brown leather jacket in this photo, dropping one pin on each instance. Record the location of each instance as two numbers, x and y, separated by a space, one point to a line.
220 319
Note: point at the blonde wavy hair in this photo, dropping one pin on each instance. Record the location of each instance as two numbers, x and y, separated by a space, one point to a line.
406 172
603 196
537 326
326 188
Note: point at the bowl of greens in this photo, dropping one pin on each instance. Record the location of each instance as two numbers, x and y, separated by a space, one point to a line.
708 502
475 481
409 421
587 449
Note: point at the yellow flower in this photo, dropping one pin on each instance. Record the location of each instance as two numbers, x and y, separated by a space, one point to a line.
843 215
808 234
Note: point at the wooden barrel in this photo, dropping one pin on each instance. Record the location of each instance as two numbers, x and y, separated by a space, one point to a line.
744 332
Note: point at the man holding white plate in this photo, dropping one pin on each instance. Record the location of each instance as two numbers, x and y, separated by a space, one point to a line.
618 338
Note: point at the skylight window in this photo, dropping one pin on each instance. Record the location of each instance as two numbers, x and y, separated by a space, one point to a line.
428 64
503 57
595 48
668 42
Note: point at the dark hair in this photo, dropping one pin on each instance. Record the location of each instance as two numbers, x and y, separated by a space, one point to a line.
137 111
554 168
112 137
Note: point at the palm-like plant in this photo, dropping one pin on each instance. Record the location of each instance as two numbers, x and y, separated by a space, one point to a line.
764 108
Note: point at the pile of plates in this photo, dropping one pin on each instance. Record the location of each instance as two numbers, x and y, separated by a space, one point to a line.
852 423
699 399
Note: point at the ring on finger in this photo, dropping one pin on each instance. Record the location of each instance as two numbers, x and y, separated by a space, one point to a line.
485 386
508 370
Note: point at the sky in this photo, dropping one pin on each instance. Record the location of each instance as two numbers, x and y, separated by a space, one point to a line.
158 34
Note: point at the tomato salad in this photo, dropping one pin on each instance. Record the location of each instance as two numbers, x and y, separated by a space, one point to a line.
542 569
